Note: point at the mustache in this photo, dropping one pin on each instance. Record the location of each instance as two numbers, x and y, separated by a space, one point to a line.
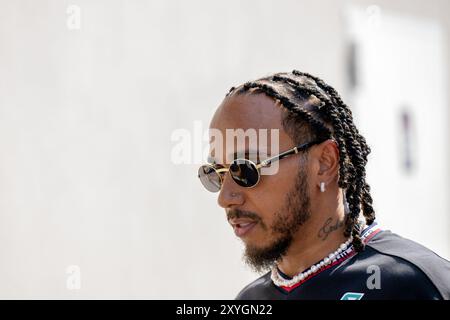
236 213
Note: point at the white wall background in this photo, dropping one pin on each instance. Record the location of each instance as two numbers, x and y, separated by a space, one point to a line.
86 117
401 66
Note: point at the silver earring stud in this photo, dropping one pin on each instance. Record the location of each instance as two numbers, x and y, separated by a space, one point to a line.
322 187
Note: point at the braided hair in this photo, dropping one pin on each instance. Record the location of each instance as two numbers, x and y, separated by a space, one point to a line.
314 110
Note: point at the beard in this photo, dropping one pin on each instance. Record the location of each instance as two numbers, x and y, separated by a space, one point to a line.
288 220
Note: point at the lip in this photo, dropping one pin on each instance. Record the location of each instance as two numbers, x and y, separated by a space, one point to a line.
242 226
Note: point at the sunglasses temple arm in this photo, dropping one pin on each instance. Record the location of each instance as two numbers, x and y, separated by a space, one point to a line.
276 158
294 150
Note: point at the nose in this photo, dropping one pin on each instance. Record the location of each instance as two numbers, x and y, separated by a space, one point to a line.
230 194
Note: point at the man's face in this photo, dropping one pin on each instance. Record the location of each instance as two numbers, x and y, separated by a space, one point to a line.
267 216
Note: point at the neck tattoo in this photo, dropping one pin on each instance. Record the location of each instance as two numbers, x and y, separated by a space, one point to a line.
328 228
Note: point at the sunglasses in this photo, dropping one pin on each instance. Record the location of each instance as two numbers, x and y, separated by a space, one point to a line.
244 172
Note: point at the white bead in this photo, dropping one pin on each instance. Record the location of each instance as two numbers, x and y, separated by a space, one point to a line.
326 260
313 269
343 246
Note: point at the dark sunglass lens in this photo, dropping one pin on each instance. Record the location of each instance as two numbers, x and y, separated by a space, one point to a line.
209 178
244 172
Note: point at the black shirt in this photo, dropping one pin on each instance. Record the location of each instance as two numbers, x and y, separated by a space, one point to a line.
390 267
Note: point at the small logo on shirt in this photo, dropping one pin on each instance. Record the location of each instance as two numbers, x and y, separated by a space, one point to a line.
352 296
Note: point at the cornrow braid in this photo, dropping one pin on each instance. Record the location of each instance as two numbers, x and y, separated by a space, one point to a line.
368 211
230 91
365 151
343 183
355 151
319 127
295 91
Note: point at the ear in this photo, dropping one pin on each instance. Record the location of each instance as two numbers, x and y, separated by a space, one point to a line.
327 155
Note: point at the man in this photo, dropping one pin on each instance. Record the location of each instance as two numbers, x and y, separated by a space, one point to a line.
311 224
